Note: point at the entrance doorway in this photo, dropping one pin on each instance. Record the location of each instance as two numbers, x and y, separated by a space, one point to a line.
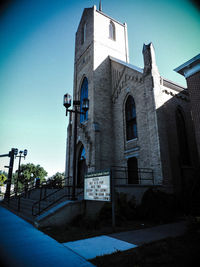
132 171
82 167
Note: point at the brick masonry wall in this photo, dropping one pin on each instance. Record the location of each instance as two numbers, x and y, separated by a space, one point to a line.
146 146
168 100
109 85
193 83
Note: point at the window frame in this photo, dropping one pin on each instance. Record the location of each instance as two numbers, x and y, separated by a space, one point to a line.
130 119
83 94
112 31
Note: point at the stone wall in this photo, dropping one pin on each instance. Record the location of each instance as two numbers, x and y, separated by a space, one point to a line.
193 83
111 79
169 99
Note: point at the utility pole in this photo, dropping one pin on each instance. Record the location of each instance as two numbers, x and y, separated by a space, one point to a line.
11 154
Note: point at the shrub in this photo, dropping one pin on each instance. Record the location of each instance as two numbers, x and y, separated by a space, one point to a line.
124 210
84 222
157 206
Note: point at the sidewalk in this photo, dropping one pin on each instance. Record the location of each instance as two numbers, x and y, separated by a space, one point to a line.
143 236
22 245
107 244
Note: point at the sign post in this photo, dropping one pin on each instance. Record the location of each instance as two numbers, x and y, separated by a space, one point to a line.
113 200
99 186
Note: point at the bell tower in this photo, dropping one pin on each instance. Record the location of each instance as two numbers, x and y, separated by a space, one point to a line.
98 36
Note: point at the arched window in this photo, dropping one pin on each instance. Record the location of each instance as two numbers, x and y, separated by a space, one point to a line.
112 31
84 94
82 167
131 125
182 138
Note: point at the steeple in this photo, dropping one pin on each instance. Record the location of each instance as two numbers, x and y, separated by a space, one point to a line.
100 6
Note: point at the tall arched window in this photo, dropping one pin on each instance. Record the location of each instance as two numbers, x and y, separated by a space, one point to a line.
84 94
112 31
131 125
182 138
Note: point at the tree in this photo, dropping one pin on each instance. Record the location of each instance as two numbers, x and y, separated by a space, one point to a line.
56 180
28 173
5 173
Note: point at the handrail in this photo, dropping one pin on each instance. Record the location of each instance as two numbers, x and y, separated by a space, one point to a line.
122 173
63 181
44 198
126 168
26 191
29 187
53 202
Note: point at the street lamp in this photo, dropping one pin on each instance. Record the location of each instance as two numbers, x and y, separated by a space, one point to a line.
85 107
22 154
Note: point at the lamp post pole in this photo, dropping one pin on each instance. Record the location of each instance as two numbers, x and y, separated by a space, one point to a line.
74 156
18 174
85 107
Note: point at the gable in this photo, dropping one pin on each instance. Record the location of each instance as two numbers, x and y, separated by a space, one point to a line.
121 75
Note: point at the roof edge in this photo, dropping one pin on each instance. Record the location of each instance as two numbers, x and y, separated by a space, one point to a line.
126 64
188 64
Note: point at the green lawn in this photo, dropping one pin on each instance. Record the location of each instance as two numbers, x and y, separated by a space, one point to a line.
74 232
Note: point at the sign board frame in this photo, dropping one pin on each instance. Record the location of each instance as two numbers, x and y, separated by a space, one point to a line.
97 186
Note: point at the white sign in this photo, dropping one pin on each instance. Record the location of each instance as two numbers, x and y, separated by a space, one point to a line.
97 186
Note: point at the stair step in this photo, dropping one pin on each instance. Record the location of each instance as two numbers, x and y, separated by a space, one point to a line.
26 203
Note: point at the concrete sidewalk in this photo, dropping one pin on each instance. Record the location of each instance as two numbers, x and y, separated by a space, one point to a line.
22 245
107 244
147 235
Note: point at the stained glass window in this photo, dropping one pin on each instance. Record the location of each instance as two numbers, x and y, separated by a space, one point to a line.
131 125
84 94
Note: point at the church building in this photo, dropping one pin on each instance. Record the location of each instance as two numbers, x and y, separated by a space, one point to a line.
138 124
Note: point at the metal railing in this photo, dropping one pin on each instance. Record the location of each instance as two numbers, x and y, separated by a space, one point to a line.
126 176
123 176
21 193
27 189
49 200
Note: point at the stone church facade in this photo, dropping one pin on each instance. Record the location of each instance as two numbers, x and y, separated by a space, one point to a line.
138 123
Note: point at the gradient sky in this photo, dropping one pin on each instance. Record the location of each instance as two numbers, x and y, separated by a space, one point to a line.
36 63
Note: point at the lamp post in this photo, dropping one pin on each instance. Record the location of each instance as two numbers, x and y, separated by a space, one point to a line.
85 107
22 154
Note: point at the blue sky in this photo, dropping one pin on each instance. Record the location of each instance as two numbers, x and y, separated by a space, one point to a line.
36 64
